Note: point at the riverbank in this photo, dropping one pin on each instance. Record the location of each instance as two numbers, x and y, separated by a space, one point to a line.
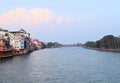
12 54
103 49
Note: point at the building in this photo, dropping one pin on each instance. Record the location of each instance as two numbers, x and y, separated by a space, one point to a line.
4 41
17 41
36 44
26 39
20 40
5 35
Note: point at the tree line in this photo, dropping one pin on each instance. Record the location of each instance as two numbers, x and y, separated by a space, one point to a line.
107 42
50 45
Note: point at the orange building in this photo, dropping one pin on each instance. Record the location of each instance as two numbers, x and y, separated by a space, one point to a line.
3 45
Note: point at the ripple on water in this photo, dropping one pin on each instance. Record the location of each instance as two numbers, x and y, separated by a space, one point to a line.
62 65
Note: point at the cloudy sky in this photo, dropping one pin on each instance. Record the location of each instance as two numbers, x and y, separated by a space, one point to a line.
64 21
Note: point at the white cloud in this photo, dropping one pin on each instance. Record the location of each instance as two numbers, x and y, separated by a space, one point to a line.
59 19
31 17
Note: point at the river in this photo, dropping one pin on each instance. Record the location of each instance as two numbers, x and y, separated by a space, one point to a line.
62 65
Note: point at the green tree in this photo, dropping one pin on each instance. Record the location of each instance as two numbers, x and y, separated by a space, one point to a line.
90 44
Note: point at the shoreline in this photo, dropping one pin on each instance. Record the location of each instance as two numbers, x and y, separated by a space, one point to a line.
4 55
103 49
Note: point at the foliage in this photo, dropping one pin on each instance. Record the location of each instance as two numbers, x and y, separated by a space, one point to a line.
53 44
50 45
43 45
107 42
90 44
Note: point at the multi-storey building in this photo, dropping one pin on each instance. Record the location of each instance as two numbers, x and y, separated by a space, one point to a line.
20 40
4 40
26 39
16 41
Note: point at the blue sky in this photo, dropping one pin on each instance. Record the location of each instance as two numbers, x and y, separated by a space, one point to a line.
64 21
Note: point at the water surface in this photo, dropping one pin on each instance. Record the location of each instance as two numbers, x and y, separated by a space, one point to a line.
62 65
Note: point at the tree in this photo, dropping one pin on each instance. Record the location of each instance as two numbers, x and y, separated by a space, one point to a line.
107 42
90 44
43 45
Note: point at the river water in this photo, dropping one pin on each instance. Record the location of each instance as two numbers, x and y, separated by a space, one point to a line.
62 65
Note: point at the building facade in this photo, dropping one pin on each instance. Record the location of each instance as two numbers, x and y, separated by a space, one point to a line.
4 40
20 40
17 41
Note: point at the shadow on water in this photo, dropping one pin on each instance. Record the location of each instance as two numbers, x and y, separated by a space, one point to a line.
3 60
8 59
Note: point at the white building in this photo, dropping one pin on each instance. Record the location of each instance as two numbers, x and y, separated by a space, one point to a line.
17 41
